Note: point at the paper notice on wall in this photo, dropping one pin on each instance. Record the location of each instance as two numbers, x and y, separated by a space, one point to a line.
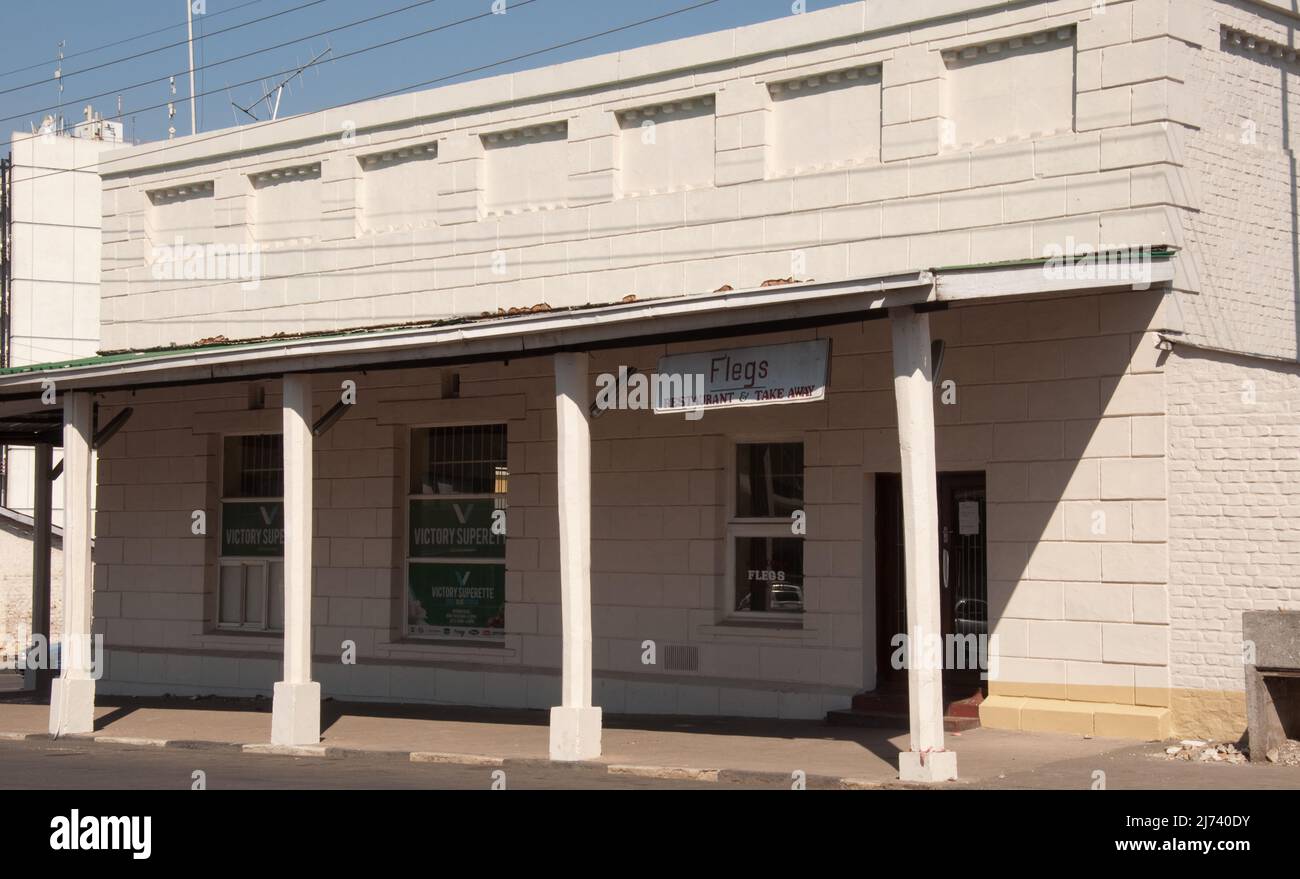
968 517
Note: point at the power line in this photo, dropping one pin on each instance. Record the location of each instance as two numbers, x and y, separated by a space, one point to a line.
125 40
139 55
517 4
188 142
242 57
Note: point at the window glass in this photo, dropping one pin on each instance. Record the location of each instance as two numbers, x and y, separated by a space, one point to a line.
769 480
459 460
766 551
253 466
232 595
769 574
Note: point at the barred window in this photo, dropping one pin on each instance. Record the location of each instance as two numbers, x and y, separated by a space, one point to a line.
459 460
254 466
456 533
250 589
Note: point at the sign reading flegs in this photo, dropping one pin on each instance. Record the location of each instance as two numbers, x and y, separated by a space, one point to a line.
794 372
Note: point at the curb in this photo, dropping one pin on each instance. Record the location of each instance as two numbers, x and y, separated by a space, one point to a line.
204 745
134 741
285 750
631 770
337 753
674 773
459 759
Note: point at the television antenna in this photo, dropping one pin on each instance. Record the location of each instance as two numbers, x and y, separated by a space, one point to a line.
273 106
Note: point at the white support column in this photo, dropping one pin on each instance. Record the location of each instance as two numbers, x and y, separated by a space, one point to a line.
295 709
926 759
72 696
575 724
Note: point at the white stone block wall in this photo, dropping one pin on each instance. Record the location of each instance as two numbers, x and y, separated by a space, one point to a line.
902 184
1060 402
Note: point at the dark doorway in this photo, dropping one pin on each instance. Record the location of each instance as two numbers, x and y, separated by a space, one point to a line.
963 572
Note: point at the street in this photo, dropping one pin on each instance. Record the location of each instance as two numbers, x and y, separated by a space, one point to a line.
49 765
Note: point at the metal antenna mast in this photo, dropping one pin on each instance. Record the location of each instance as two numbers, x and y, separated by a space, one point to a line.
189 23
58 77
278 90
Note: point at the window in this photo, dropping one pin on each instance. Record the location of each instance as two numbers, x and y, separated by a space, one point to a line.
766 551
456 533
250 592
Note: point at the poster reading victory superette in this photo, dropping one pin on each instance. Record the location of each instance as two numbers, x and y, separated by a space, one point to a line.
456 576
252 529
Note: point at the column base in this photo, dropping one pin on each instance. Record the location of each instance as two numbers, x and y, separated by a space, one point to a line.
72 706
575 733
295 714
927 766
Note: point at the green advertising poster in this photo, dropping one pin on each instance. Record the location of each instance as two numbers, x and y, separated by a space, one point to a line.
457 601
457 529
252 528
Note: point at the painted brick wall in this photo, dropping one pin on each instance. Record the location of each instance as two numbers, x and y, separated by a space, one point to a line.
1234 501
1241 178
16 589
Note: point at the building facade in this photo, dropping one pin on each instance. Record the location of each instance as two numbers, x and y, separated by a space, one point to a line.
51 313
1032 360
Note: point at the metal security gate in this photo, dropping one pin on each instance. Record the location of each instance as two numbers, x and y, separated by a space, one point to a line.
963 571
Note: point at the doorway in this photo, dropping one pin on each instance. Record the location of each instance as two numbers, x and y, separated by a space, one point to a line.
963 571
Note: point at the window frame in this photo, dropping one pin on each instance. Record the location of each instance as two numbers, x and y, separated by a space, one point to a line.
241 561
245 564
738 526
403 633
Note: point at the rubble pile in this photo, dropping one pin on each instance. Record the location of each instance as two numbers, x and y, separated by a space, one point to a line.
1197 751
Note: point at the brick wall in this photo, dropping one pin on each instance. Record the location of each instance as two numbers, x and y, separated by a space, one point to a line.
1234 500
1241 180
16 588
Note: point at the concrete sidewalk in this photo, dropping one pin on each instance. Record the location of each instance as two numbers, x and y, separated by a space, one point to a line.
666 747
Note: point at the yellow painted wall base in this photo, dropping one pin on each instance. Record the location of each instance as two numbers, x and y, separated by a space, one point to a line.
1217 715
1109 719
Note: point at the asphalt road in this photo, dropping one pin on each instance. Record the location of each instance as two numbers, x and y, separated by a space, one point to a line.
45 765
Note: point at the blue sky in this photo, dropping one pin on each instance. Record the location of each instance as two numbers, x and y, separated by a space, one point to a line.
31 32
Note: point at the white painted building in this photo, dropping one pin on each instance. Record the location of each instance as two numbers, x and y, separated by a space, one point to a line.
51 314
1101 474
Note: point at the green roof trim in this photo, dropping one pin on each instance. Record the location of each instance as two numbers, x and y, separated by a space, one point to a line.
145 354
